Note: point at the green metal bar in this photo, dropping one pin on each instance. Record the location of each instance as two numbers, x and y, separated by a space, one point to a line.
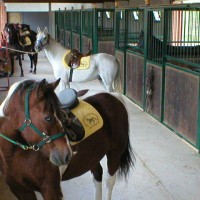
125 45
146 28
81 31
198 122
165 38
94 31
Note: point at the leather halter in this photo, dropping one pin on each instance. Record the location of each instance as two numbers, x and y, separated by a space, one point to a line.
41 42
27 122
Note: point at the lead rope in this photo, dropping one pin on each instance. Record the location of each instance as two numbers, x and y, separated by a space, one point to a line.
4 47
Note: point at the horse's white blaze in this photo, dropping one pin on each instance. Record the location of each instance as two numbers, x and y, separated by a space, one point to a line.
97 190
110 182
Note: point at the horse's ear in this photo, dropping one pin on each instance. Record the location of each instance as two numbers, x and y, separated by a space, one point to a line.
55 84
46 30
41 88
38 29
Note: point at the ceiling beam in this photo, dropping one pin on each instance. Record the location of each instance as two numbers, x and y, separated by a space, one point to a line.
57 1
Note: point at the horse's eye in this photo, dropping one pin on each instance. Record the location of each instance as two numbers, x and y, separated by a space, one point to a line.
48 118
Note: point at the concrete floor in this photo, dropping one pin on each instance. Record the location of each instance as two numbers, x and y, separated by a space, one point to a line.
166 167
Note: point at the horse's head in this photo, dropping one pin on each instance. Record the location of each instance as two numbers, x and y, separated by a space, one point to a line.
42 39
10 33
33 116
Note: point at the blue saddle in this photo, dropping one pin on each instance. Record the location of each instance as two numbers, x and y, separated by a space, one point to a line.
68 98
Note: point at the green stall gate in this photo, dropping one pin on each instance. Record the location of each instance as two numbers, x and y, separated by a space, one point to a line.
120 45
134 57
87 29
182 71
158 49
67 29
76 30
59 26
98 30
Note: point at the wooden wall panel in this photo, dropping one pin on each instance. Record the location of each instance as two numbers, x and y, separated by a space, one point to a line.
134 77
67 39
181 102
106 47
120 82
86 44
76 41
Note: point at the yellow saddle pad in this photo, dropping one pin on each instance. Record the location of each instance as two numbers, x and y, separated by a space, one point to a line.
89 118
84 63
27 41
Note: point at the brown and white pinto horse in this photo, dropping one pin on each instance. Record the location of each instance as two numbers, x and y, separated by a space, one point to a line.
32 140
29 171
112 141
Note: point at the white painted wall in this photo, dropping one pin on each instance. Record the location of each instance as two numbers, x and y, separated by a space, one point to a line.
44 7
27 7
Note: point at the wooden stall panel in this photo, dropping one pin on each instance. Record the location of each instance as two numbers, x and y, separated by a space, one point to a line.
153 90
67 39
106 47
120 82
134 77
181 102
86 44
76 41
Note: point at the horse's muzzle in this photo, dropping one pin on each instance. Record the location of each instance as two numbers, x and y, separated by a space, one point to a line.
37 47
58 158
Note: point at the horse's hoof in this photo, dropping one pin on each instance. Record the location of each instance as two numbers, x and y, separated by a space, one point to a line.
30 71
22 75
34 72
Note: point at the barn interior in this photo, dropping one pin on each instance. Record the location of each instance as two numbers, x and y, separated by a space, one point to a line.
156 43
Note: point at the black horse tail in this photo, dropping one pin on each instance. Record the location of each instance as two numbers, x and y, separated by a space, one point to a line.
127 160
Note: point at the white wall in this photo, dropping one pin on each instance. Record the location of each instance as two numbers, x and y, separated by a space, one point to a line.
27 7
44 7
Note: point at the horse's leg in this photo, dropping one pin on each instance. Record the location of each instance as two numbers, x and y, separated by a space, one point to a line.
20 64
97 179
52 192
12 64
107 83
50 188
113 163
110 182
31 60
23 194
35 59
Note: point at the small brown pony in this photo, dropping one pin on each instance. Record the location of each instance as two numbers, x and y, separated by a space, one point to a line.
29 171
32 140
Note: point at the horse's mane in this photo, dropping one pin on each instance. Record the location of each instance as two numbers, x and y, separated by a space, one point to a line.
49 95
